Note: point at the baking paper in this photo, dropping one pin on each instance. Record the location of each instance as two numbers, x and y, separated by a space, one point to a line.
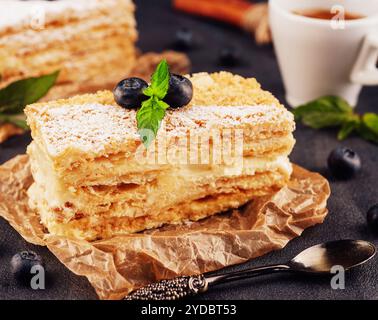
121 264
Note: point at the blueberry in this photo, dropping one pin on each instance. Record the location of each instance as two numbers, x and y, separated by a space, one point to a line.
183 39
229 56
180 91
22 263
344 163
129 93
372 218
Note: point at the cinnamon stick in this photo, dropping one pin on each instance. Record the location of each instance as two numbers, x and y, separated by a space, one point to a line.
230 11
241 13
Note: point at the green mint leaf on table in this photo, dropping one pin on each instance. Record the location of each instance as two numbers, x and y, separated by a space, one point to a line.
369 127
348 128
152 112
333 111
324 112
19 94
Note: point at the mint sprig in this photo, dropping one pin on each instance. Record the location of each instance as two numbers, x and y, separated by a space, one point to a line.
368 128
152 112
19 94
331 111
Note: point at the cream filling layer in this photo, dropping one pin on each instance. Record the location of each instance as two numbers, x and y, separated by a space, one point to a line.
173 185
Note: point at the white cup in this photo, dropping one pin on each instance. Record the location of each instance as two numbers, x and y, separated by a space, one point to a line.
325 57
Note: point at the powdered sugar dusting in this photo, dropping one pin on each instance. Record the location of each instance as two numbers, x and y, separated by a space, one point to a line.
88 127
17 14
14 12
94 127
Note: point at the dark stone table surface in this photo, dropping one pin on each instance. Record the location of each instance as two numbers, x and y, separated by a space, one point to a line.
347 206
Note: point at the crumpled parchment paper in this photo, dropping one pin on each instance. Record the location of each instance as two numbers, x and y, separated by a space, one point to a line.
119 265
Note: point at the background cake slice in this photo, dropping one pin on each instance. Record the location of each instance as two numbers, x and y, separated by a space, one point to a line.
91 183
91 42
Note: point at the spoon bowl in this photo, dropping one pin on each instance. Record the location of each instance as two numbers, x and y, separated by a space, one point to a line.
322 257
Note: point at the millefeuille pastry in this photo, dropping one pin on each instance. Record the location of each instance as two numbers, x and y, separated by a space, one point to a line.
91 42
95 179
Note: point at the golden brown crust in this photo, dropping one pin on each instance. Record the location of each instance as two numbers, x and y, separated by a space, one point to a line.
103 227
90 182
68 131
166 188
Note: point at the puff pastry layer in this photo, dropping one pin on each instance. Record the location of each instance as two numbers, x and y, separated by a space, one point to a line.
94 178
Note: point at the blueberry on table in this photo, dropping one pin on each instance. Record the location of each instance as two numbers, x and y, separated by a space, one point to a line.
229 56
372 218
183 39
180 91
344 163
22 264
129 93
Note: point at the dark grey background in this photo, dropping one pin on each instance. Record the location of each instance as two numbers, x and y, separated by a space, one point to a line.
347 205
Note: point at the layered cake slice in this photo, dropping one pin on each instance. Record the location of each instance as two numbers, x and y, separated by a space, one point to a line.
91 42
95 179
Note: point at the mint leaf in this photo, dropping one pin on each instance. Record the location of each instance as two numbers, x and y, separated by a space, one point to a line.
162 104
371 121
149 118
369 127
319 120
149 92
333 111
348 127
17 95
152 112
326 104
325 112
159 81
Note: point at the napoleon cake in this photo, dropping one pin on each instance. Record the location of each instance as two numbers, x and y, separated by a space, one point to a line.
91 42
93 180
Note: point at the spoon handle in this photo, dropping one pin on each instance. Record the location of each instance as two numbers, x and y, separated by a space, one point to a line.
172 289
248 273
181 287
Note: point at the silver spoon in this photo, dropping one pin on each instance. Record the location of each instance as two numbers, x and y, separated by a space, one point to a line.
318 259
